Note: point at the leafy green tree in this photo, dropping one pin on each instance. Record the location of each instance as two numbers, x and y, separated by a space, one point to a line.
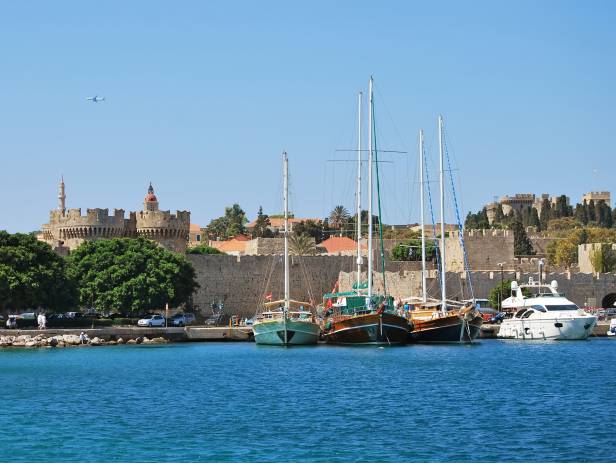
604 214
603 260
314 229
471 221
522 245
231 224
561 208
130 275
533 220
501 292
262 224
410 250
581 213
564 223
32 275
203 249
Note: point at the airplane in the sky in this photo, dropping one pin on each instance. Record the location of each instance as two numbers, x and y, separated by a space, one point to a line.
96 98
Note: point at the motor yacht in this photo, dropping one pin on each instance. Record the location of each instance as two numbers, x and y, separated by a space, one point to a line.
540 312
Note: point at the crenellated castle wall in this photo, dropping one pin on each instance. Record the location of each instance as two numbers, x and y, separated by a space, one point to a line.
169 230
71 228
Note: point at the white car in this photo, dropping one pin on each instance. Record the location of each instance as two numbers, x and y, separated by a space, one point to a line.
154 320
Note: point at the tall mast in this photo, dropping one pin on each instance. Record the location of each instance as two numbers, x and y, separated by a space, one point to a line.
370 188
442 187
421 203
359 259
285 172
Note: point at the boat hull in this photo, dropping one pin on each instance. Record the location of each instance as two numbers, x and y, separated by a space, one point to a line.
448 329
272 333
368 329
559 329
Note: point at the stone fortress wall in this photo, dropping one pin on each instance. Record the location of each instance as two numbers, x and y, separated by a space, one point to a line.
242 282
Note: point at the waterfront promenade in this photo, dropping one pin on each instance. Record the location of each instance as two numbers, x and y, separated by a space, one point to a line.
56 337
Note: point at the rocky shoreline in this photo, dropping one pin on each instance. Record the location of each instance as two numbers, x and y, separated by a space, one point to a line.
72 340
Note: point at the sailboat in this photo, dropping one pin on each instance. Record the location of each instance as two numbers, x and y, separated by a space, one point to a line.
286 322
360 316
441 321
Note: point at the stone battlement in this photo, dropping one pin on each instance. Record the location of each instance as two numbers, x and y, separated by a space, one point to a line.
68 228
483 233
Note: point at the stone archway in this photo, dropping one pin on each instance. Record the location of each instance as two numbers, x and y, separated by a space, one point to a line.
608 301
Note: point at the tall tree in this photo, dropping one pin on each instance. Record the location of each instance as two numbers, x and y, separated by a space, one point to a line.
522 246
581 213
133 275
262 224
311 228
231 224
592 215
32 275
499 216
546 213
338 218
533 220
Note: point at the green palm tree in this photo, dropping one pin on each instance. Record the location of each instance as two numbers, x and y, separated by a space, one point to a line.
339 217
302 245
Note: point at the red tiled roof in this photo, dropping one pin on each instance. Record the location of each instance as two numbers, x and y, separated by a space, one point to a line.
195 228
232 245
338 244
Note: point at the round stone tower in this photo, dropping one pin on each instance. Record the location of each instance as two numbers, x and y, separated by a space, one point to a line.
168 230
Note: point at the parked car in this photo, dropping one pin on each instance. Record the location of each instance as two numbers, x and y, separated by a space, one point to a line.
91 312
179 319
214 320
73 315
497 318
190 318
153 320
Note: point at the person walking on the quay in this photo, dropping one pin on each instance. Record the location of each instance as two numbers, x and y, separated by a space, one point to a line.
40 320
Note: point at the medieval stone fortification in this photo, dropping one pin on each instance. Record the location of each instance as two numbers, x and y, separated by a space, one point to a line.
242 282
68 228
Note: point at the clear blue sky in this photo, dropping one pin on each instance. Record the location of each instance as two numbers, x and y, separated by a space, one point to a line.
202 97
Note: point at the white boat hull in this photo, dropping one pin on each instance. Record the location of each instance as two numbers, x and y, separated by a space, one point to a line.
272 332
574 328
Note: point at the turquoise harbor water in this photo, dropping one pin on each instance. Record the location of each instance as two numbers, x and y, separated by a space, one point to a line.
496 401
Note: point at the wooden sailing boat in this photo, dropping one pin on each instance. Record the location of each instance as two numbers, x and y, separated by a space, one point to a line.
286 322
360 316
447 321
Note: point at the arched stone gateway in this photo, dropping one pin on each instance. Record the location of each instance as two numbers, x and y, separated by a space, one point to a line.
608 301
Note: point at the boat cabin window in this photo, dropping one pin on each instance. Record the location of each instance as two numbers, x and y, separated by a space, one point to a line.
528 313
539 308
519 313
562 307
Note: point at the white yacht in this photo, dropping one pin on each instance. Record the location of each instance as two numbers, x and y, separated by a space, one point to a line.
540 312
611 331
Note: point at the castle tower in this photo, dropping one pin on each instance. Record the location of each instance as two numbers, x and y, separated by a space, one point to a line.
150 203
61 196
